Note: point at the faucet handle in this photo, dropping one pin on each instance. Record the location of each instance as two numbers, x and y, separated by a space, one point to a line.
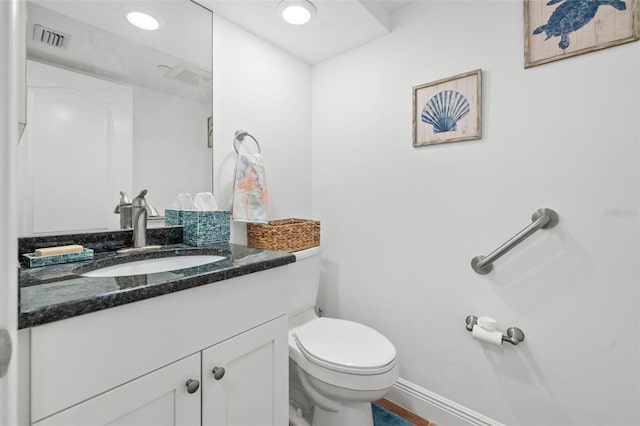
139 201
124 198
152 211
124 201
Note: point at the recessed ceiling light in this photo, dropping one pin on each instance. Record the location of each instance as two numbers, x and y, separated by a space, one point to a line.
296 12
143 21
142 18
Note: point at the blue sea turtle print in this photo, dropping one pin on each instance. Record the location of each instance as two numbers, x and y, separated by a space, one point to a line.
572 15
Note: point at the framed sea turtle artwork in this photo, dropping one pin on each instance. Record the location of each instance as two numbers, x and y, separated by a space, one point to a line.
559 29
448 110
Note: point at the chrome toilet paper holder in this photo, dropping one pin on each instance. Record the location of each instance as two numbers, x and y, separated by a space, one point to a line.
514 334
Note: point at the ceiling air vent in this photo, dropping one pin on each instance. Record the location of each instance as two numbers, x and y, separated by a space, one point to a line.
50 37
190 75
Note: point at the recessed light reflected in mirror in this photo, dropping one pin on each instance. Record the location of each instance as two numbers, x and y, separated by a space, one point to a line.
296 12
296 15
143 19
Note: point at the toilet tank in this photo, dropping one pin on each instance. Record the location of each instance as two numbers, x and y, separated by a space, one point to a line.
304 280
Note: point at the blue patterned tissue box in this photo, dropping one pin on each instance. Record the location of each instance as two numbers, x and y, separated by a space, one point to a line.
34 261
173 217
203 228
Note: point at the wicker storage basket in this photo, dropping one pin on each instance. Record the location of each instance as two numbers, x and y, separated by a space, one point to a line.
284 235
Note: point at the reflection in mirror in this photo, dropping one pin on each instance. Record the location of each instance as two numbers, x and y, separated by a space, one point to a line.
112 107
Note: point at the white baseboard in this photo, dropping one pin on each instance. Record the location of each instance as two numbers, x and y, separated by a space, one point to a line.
435 408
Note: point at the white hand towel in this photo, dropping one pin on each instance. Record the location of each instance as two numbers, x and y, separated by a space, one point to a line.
250 196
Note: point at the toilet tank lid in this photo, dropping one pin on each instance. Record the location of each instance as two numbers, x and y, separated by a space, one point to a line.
346 346
310 252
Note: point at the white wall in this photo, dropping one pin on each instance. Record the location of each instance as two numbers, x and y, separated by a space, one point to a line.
261 89
170 147
401 224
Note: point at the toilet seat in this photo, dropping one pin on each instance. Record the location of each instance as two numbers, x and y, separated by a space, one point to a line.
345 346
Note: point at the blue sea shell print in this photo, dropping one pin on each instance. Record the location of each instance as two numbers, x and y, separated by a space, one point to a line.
444 110
572 15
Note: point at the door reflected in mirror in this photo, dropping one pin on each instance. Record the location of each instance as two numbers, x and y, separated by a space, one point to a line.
112 107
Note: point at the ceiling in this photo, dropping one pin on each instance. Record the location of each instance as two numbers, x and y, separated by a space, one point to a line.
100 42
339 25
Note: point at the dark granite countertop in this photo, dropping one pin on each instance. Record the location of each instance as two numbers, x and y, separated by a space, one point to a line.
52 293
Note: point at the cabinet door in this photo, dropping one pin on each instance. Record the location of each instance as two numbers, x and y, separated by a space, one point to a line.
160 398
254 387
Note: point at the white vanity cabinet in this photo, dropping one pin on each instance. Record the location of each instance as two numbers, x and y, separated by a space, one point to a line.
159 398
243 378
129 365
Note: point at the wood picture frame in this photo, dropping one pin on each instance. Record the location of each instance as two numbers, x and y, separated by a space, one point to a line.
560 29
448 110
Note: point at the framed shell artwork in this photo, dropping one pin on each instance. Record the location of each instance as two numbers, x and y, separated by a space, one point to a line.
448 110
559 29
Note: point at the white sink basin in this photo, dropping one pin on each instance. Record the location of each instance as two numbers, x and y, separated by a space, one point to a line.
150 266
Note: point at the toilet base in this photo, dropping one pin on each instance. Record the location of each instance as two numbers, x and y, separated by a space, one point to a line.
351 413
296 418
316 403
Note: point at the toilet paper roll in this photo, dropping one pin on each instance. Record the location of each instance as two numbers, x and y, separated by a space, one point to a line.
494 337
487 323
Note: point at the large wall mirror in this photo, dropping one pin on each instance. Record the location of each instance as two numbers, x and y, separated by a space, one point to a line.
112 107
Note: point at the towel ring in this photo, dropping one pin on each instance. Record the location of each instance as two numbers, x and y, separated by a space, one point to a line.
239 137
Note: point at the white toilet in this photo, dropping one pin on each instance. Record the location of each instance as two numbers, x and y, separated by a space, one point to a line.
336 367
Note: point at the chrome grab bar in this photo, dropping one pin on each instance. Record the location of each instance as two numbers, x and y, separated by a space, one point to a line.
542 219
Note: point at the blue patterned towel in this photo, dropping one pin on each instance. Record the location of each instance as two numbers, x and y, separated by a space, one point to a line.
250 196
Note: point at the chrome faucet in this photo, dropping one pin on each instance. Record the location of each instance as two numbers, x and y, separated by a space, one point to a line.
140 214
123 208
